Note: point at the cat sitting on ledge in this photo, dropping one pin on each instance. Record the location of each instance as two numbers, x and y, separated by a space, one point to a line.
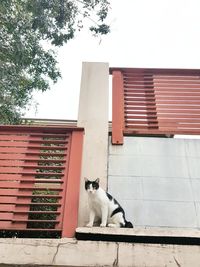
104 207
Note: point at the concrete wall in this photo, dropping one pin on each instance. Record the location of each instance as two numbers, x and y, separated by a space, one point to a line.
157 180
69 252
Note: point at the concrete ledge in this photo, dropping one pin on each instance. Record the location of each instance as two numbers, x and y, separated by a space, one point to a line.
142 231
141 235
70 252
56 252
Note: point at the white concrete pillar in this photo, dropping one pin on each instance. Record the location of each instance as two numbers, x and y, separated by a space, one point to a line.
93 116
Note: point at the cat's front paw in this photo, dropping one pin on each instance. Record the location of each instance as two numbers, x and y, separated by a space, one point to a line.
112 225
103 225
89 225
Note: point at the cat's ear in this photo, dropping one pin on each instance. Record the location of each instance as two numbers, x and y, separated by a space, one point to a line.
86 179
97 180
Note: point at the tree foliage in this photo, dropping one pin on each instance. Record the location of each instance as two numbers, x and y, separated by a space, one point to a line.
25 65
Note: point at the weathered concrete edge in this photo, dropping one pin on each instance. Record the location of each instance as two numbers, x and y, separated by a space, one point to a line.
56 252
70 252
131 236
142 231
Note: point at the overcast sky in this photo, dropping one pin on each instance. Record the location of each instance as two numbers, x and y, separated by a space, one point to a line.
144 33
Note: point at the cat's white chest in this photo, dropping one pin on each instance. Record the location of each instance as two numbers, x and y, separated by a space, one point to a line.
98 201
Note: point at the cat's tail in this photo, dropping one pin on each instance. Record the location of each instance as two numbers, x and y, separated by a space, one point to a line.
128 225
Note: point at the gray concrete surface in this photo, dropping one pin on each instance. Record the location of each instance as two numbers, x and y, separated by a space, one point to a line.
157 180
70 252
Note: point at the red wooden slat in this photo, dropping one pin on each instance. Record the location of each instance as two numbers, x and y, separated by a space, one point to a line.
12 150
4 185
31 156
29 180
6 216
5 225
14 170
14 137
8 200
26 144
7 207
8 192
11 163
10 143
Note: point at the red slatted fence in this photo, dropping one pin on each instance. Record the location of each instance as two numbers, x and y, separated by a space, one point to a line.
39 178
155 102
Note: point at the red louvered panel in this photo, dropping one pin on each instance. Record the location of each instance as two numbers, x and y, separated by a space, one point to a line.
39 178
33 177
160 101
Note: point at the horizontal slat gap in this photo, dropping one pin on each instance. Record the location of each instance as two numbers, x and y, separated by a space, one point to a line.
44 173
30 195
160 88
159 82
50 135
166 116
37 204
36 212
30 188
27 134
161 79
160 110
35 160
165 124
163 99
28 220
15 164
183 104
49 141
45 154
139 93
47 147
33 229
41 167
32 173
144 90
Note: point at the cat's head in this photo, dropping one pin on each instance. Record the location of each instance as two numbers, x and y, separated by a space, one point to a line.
91 186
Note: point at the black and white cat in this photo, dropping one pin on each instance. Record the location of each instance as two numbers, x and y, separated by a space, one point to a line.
104 207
